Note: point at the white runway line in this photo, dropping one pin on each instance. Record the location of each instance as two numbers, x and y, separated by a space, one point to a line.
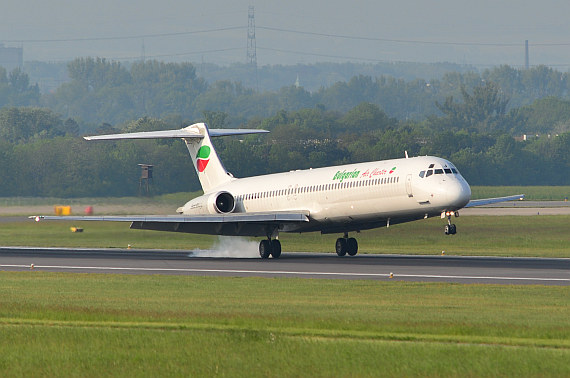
281 272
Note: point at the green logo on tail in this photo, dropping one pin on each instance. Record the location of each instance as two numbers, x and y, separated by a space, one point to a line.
202 158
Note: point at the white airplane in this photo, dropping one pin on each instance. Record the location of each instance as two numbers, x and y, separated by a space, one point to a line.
338 199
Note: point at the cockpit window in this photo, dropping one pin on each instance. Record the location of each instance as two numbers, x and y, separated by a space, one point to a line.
445 168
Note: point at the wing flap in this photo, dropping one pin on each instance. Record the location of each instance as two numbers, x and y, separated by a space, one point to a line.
215 218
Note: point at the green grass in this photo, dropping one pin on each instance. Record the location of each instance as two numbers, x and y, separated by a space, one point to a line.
128 325
532 236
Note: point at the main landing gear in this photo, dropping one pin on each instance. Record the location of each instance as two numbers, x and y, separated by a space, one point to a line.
270 247
346 245
450 228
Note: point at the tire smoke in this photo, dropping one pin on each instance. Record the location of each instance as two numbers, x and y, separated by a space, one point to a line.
230 247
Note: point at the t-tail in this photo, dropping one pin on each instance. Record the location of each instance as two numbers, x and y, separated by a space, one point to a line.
210 170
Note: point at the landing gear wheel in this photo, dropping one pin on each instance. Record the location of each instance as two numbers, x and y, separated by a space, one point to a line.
275 248
450 229
265 248
341 247
351 246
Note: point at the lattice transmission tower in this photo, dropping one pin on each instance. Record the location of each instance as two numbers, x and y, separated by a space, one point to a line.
251 48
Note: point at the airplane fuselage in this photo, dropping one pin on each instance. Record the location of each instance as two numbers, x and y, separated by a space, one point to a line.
348 197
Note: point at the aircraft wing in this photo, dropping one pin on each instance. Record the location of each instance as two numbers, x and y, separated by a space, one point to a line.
488 201
234 224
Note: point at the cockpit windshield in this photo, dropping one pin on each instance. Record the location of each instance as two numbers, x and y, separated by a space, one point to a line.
439 169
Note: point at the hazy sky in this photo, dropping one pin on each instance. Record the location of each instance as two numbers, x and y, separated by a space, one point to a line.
481 32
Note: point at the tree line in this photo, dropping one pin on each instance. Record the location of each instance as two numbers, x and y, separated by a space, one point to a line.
101 91
56 163
465 117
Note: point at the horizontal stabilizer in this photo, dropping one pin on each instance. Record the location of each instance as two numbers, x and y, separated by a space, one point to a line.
187 132
488 201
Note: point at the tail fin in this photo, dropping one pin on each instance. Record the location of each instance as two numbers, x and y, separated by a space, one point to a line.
209 168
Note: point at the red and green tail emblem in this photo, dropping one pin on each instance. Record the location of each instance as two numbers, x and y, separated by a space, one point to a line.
202 158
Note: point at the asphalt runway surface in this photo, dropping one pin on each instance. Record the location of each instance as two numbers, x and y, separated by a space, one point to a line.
486 270
308 265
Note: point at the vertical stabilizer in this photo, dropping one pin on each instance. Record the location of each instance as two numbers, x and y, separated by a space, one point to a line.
209 168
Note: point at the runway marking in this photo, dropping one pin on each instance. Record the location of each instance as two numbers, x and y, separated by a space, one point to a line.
282 272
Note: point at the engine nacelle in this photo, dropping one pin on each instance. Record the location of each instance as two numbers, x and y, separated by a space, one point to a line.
215 203
221 203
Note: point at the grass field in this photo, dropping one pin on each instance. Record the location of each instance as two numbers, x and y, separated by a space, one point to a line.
55 324
537 236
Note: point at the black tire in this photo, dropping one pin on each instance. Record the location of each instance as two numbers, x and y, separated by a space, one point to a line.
452 229
264 248
351 246
340 246
446 229
275 248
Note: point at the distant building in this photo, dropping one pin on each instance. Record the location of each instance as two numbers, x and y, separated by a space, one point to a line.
11 57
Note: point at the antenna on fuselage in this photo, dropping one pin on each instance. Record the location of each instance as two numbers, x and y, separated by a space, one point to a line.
406 153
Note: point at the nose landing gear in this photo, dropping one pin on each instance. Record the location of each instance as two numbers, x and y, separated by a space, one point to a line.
450 228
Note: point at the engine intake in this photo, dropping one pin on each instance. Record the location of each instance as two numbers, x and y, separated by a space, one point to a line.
223 202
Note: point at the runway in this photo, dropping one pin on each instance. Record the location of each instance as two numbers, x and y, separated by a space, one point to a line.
305 265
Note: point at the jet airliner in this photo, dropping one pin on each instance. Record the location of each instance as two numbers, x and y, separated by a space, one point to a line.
337 199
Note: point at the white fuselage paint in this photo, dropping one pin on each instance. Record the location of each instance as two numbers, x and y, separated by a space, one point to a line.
349 197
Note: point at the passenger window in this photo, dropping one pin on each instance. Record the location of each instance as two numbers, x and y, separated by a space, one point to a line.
439 171
422 173
429 173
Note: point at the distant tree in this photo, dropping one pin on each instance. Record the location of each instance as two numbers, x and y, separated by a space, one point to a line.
70 127
15 89
366 117
545 115
215 120
95 73
19 125
484 110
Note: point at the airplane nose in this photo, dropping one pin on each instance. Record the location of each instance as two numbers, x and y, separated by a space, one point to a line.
459 193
